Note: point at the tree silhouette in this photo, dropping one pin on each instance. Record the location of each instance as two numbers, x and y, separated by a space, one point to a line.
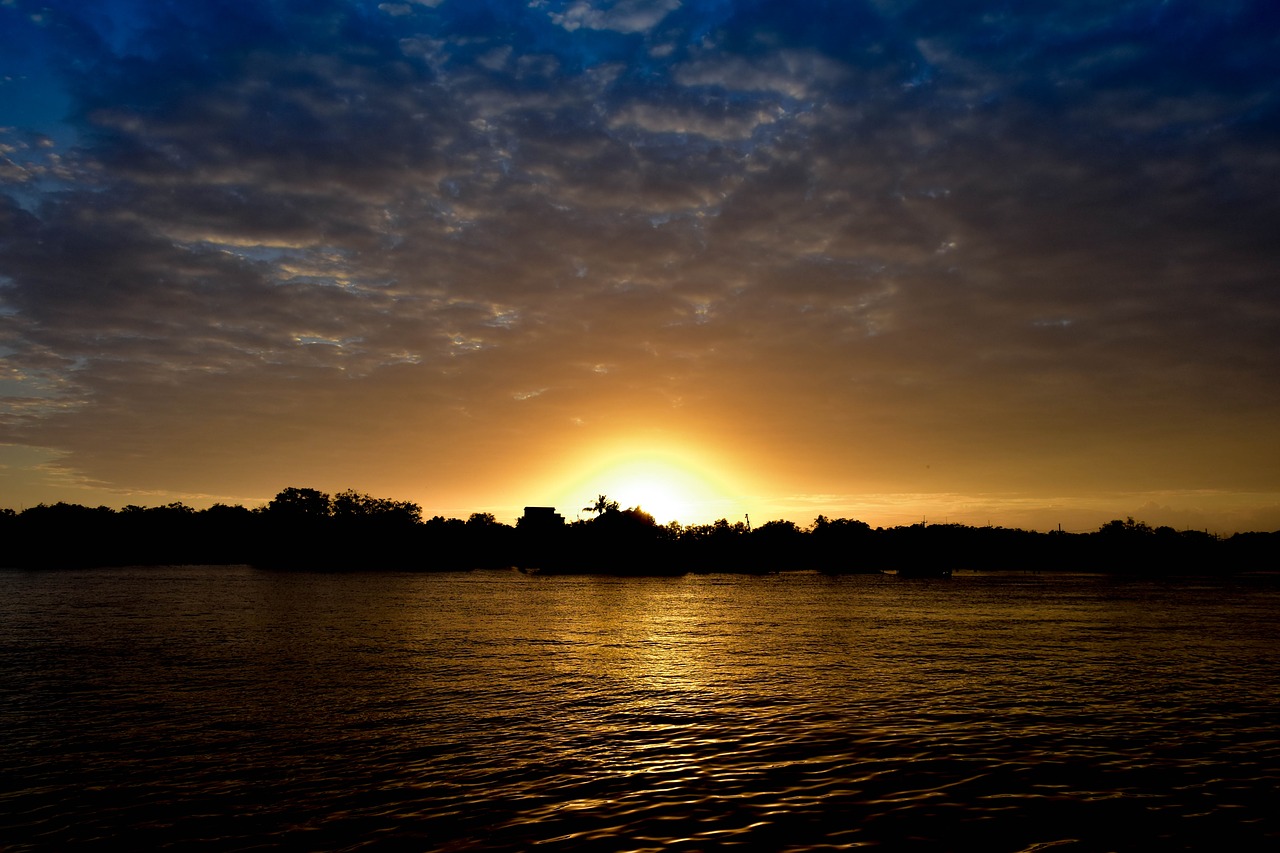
352 505
295 503
1127 528
602 505
308 529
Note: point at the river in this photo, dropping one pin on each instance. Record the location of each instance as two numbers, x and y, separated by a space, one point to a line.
225 708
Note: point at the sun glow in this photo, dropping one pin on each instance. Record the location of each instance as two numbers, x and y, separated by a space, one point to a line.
669 485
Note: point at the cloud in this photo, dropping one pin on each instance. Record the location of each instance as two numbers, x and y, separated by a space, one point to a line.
623 16
1023 246
792 75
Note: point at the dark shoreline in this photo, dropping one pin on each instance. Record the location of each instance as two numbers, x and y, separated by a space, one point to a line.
387 535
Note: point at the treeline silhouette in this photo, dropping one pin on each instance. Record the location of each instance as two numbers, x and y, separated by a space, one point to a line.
304 528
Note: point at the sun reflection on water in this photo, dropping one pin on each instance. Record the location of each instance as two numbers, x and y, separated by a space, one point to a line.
498 711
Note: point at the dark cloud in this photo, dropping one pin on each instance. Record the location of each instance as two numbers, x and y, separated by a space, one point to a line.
1007 238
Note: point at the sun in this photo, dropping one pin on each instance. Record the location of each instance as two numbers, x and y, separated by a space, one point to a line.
671 485
665 492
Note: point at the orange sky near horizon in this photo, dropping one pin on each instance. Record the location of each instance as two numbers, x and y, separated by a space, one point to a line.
676 479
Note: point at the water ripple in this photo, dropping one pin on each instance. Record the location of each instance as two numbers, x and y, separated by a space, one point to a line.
227 709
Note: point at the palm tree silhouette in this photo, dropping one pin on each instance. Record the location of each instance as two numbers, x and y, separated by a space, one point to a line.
602 505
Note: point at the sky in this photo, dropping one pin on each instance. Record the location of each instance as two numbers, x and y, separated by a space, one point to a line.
1005 263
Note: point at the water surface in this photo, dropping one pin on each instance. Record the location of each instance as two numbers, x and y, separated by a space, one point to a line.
231 709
